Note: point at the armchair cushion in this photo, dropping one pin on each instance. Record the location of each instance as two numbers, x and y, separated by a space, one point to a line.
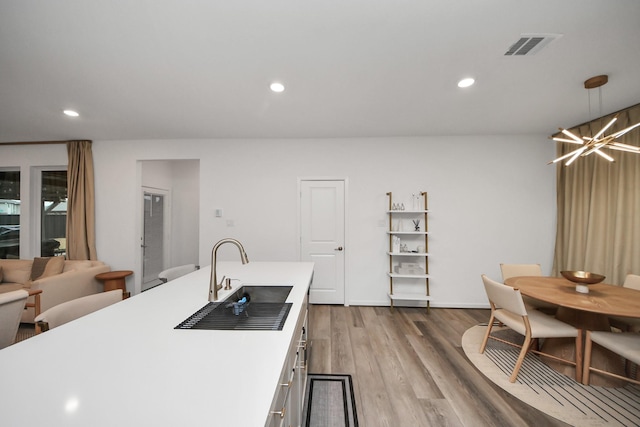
16 270
45 267
77 265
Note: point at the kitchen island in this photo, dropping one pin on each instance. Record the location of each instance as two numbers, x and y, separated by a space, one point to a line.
126 365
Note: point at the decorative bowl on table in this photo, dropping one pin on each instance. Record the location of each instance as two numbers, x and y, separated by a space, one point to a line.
582 279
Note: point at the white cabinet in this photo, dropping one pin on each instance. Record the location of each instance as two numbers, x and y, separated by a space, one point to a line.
287 407
408 251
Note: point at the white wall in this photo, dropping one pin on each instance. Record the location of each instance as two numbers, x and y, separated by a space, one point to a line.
492 200
185 216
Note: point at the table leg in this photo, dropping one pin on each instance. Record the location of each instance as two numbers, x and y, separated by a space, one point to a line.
565 348
114 284
36 307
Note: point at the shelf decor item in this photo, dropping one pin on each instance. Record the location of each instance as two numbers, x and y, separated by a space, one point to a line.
405 266
415 199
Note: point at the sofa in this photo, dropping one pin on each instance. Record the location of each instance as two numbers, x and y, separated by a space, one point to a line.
60 280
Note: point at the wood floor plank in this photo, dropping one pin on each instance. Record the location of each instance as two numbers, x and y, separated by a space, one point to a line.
356 318
397 383
320 320
440 413
374 407
423 385
319 359
456 323
369 315
319 339
404 321
341 348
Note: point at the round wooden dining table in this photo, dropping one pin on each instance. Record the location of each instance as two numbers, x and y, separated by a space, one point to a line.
588 311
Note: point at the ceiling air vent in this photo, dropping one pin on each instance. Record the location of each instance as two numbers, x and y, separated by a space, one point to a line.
530 44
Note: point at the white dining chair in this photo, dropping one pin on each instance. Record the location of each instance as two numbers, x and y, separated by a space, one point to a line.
175 272
626 344
632 281
628 324
507 306
11 307
67 311
515 270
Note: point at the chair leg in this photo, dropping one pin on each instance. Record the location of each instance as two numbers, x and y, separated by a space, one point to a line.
486 335
587 359
535 343
525 348
579 356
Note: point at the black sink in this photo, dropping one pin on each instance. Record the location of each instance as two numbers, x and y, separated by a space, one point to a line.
264 311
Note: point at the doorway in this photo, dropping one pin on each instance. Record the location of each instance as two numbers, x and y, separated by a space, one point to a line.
154 235
175 183
322 237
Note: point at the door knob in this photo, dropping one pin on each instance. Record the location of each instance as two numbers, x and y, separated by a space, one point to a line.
339 248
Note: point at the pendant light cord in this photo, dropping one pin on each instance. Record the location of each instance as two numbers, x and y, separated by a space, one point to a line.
599 102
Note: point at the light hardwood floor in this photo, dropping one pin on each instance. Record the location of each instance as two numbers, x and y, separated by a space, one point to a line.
409 369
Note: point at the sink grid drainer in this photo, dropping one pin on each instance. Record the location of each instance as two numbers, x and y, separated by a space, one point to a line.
256 316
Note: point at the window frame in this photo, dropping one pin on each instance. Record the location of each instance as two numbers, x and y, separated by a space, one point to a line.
22 213
35 209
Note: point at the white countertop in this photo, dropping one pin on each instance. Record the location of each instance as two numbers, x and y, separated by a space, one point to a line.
126 365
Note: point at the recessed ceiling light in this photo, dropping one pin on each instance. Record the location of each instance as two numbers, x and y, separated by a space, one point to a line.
466 82
277 87
71 113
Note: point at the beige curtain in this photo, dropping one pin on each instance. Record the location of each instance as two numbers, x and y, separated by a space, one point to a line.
598 203
81 238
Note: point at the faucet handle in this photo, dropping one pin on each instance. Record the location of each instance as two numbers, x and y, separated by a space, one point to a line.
219 285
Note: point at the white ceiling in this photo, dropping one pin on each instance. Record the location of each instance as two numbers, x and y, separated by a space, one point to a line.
160 69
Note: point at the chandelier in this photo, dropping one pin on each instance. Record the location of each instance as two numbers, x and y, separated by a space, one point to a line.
599 141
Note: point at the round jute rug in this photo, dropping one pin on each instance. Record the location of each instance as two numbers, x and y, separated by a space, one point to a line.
547 390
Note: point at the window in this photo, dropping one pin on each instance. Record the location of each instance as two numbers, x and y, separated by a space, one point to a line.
53 213
43 230
9 214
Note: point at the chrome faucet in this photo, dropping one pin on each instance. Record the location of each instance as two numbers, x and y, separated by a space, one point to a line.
213 282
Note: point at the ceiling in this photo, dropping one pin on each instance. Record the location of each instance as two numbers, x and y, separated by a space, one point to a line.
169 69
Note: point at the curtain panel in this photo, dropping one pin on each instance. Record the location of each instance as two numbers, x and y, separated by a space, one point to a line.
81 238
598 205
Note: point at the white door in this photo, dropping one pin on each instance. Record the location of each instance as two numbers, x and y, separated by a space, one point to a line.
322 238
